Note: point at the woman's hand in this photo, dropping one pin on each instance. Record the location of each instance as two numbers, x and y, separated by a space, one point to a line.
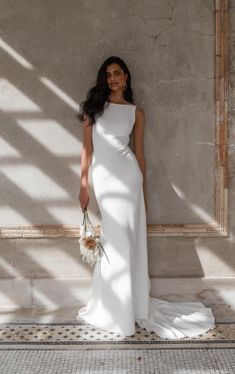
84 197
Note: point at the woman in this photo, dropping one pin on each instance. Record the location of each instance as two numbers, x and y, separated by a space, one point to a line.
119 293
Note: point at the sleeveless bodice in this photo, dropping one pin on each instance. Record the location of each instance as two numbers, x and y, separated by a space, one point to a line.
113 127
111 137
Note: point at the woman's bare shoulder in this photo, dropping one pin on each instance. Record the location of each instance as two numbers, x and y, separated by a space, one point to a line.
139 112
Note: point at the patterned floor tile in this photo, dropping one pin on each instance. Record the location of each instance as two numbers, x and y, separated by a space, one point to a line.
80 332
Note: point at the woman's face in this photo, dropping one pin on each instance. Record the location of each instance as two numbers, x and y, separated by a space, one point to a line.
116 77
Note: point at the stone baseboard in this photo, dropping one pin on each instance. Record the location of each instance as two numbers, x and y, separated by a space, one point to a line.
218 293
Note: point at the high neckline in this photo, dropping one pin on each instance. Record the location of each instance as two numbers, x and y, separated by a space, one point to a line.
119 104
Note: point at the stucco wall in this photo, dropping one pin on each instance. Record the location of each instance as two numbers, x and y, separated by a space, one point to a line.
50 52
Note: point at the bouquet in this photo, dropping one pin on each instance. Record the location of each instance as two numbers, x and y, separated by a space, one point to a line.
90 243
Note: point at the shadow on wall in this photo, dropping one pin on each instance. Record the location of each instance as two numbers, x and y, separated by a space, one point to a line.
41 141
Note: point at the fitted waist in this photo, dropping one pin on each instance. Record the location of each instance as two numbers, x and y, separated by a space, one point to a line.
110 141
119 164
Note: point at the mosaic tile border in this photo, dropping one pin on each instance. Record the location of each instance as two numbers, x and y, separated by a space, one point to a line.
83 335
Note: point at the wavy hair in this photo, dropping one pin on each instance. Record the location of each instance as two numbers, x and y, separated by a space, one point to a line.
96 97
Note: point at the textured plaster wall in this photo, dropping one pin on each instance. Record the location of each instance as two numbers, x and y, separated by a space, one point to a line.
169 49
50 52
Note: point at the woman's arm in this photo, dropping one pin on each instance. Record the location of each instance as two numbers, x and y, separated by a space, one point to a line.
85 160
139 146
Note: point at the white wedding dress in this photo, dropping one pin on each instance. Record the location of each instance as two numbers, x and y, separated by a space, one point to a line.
119 294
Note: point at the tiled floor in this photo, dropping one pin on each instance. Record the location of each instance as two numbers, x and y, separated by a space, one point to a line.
82 334
170 361
35 342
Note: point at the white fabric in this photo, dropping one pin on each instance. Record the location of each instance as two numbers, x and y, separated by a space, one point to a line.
119 292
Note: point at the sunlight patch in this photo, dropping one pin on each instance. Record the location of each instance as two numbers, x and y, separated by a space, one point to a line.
14 100
34 183
52 135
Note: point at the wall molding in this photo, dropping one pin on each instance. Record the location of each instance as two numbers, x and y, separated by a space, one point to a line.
220 225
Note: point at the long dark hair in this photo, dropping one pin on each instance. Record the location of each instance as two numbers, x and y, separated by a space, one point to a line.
98 94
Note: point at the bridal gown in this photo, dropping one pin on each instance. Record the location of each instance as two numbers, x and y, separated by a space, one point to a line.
119 294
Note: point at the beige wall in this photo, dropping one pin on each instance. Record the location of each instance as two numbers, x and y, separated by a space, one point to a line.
50 53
